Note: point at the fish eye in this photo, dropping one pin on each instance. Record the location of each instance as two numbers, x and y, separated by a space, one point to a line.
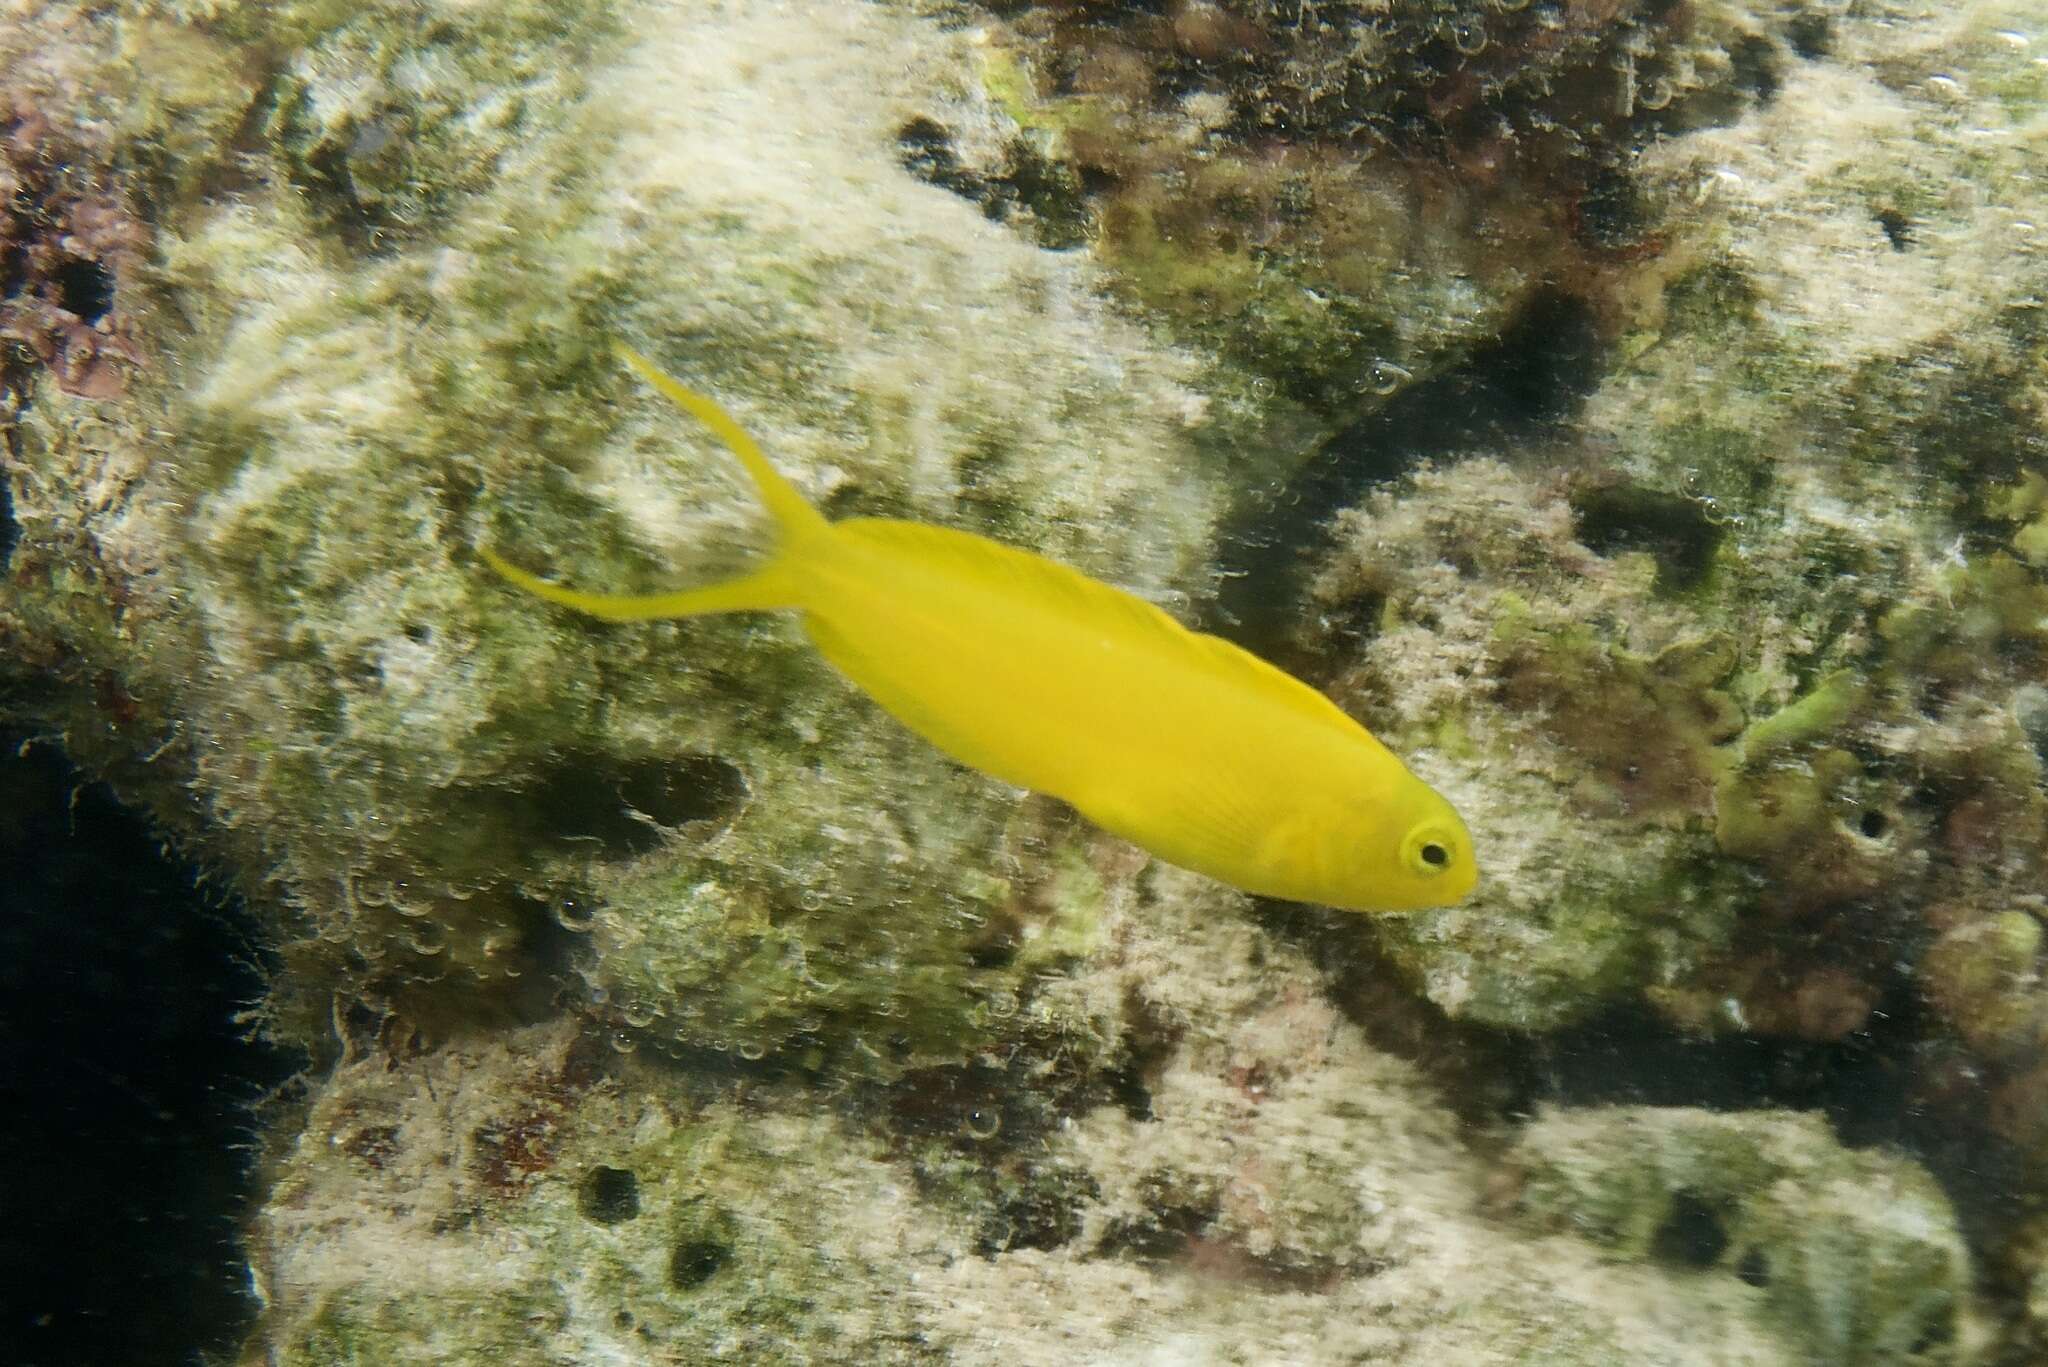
1428 851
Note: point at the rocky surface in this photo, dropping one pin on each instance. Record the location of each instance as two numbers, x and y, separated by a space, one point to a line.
1630 411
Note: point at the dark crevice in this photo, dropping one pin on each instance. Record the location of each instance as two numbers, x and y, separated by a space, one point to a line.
85 288
1868 1086
1678 532
1811 36
127 1082
694 1262
9 533
624 806
1755 63
1898 229
609 1196
1883 1085
1691 1234
1611 214
1049 196
1537 373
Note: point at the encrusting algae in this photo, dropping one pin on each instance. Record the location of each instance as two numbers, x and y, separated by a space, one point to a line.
1028 670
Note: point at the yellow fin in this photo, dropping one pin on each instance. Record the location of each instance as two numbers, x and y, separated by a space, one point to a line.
776 584
794 517
771 586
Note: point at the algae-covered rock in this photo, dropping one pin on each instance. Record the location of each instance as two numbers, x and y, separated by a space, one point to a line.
1729 665
1277 1190
1639 402
1852 1256
395 344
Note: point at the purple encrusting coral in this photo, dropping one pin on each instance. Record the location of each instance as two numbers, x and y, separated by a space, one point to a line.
68 245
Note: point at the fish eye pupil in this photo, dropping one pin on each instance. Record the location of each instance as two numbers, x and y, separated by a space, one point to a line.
1435 855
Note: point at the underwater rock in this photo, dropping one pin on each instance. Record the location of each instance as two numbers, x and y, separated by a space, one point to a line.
392 342
1853 1256
1346 197
1731 667
1275 1190
662 995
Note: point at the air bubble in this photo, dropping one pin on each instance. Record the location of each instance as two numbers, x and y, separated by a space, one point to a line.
1384 377
1655 94
982 1123
428 939
639 1015
572 915
1469 37
751 1050
622 1042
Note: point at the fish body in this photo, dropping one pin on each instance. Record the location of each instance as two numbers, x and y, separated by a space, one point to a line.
1031 671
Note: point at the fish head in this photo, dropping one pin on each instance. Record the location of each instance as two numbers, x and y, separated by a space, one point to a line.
1420 857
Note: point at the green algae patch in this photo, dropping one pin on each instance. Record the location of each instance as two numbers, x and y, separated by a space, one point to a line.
1985 978
852 915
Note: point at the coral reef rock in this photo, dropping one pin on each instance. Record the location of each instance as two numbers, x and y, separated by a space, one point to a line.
1631 411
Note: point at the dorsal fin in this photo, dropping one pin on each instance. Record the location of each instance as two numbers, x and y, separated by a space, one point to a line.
1030 577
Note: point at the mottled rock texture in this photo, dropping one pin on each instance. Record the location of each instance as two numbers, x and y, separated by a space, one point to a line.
1631 411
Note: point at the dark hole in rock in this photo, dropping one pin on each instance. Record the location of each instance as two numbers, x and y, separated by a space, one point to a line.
1811 36
85 288
1128 1091
1355 622
1754 1268
1611 214
1873 824
609 1196
1629 1056
994 951
7 528
925 149
1675 530
1755 62
693 788
1039 1219
696 1261
1898 229
1937 1334
1165 1234
1691 1235
1054 195
596 797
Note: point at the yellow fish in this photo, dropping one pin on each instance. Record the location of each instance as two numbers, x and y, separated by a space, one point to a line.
1198 751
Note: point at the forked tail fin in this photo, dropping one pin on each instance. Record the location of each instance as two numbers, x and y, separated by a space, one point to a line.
777 584
771 586
794 518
